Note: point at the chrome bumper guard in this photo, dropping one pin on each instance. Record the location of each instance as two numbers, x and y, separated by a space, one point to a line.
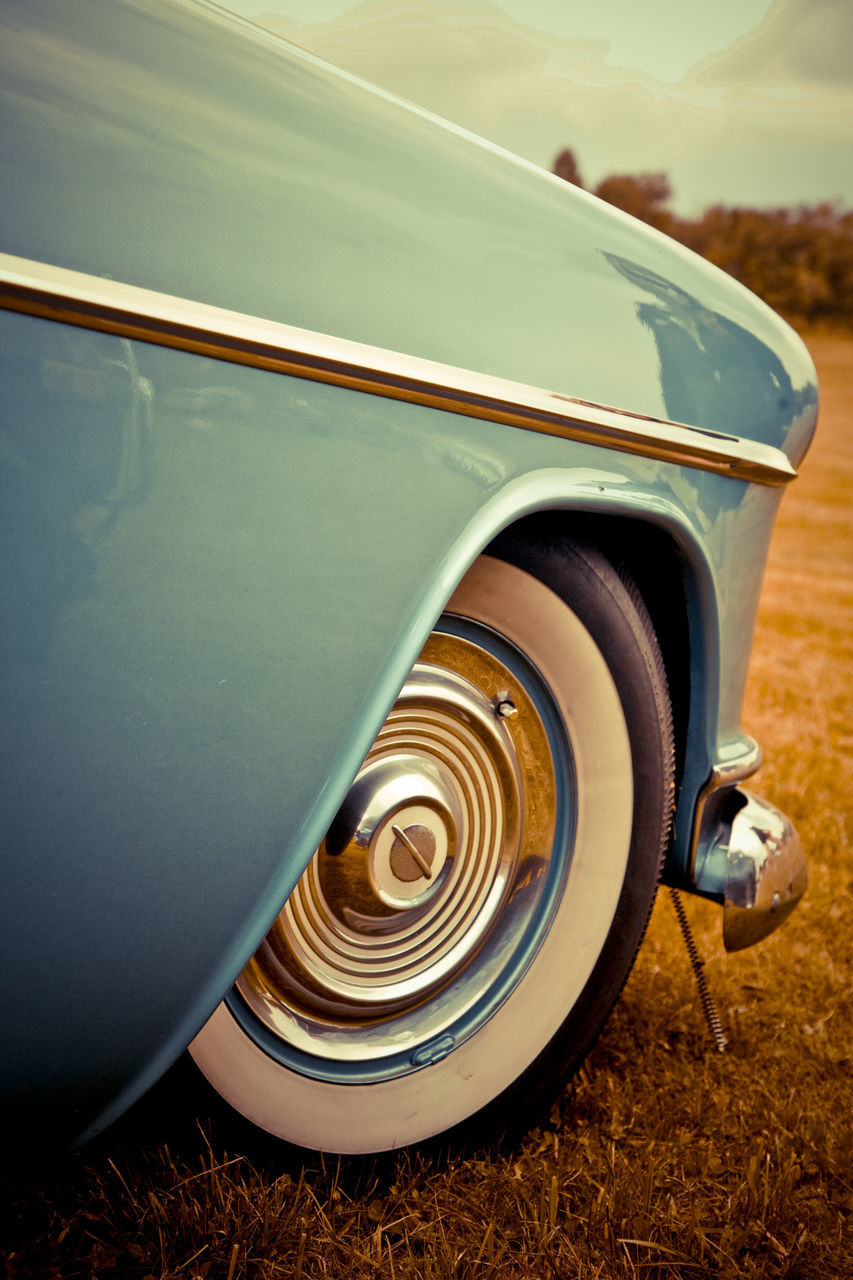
766 873
745 854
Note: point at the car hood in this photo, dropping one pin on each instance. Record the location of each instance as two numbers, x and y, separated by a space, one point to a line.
195 155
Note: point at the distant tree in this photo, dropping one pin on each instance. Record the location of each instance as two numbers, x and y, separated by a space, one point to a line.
643 195
799 260
566 167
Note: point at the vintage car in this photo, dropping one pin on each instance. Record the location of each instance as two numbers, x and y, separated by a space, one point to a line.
384 521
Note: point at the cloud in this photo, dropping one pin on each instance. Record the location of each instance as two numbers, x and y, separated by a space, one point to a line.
764 122
799 41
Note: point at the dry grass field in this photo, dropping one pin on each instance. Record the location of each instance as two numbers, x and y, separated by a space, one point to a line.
664 1158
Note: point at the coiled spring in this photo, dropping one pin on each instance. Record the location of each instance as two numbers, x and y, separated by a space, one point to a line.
709 1006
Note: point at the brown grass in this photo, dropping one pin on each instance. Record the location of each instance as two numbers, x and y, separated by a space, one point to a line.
663 1158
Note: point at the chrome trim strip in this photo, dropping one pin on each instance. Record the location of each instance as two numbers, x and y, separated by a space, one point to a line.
726 773
72 297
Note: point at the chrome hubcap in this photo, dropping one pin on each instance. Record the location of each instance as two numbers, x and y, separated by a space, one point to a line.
424 885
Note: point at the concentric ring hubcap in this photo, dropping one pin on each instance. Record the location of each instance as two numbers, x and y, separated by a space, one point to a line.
423 886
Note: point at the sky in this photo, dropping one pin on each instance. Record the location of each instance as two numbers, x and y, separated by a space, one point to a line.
740 102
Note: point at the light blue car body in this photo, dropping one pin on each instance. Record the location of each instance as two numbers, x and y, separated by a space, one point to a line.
216 577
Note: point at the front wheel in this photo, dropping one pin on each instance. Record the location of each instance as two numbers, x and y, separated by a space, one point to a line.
460 935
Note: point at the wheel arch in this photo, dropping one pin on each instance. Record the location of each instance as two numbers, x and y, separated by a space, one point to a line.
675 583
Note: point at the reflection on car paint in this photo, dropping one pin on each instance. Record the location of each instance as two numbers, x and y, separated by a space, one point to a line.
715 369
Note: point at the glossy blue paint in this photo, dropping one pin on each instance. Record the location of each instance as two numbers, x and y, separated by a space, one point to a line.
220 577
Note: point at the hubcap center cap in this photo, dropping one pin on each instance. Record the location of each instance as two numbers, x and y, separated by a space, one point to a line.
393 835
409 850
412 853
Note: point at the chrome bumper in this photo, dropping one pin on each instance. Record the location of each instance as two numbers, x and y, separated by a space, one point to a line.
749 858
766 873
744 853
